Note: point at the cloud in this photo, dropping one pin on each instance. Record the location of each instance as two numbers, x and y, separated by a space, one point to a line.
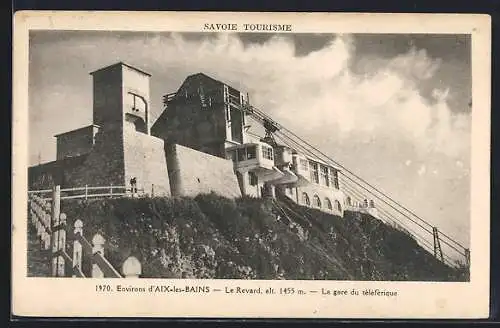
319 92
422 170
440 95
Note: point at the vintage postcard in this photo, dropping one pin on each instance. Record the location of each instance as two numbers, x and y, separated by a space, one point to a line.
266 165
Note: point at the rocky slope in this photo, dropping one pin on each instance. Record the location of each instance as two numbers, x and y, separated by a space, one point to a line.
213 237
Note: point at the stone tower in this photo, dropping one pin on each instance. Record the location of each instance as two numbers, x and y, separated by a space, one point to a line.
121 97
121 108
117 146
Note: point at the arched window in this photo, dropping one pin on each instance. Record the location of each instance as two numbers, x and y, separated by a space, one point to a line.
348 201
137 103
338 207
316 201
328 204
138 111
305 199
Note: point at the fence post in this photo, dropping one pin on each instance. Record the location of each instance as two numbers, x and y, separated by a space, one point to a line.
97 247
61 245
46 239
56 209
77 247
111 191
131 268
86 192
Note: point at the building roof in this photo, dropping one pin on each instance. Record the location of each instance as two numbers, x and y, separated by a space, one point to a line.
161 117
67 162
121 64
76 130
206 76
209 78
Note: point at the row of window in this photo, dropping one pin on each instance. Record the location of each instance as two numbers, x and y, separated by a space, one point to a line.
320 174
317 202
250 152
245 153
365 203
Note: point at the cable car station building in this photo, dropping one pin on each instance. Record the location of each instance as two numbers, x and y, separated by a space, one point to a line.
200 143
212 117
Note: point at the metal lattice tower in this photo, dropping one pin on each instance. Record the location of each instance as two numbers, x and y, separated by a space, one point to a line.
438 253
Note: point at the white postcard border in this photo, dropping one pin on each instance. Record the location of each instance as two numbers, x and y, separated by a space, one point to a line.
78 297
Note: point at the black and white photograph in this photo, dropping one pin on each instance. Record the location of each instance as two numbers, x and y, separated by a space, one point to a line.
254 152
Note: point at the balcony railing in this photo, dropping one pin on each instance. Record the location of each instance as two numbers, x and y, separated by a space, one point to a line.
168 98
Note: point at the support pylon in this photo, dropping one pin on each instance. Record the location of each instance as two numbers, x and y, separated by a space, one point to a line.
438 253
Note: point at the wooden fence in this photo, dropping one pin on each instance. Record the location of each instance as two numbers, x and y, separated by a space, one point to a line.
50 224
87 192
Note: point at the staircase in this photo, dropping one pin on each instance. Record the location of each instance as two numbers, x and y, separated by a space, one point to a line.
38 258
47 251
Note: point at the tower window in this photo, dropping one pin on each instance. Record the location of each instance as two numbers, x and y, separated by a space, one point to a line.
137 103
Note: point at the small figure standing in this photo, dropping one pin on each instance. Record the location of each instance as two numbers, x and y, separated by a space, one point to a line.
133 186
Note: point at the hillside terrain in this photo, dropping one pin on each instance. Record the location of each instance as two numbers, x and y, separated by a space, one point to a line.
214 237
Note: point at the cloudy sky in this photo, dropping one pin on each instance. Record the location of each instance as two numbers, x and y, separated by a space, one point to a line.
392 108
